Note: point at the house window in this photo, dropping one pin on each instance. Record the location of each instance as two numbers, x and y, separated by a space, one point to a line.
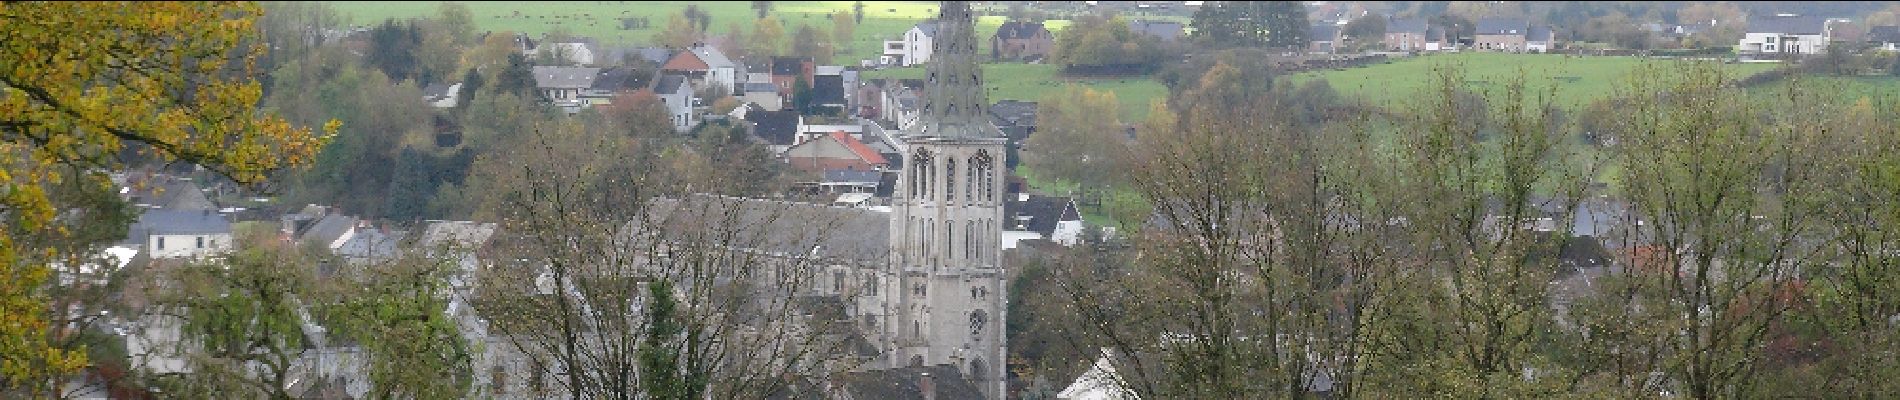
837 281
161 243
201 242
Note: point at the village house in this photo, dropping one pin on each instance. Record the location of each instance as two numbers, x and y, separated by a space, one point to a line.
1025 41
1036 217
1885 37
1323 39
913 48
764 94
678 97
1406 34
1785 34
562 86
1501 34
174 233
787 71
836 151
441 95
705 66
1167 31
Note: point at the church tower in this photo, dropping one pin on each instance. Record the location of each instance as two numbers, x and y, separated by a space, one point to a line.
948 300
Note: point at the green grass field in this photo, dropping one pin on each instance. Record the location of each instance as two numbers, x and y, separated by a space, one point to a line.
883 20
1844 90
1029 82
1579 80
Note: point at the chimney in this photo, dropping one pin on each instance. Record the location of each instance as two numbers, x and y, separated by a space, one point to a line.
1022 196
928 386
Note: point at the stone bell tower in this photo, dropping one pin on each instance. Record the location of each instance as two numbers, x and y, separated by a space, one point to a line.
948 289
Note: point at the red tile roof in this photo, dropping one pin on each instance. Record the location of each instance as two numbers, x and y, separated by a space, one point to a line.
857 147
685 61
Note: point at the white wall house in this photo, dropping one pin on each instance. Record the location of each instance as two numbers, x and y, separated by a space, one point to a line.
169 233
563 85
1785 35
678 97
911 49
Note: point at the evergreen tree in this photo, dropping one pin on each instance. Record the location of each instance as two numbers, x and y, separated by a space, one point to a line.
1250 23
518 78
661 375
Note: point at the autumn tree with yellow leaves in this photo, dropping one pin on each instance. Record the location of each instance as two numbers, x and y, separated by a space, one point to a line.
82 83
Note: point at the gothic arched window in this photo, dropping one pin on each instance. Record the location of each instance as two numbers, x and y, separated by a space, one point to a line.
970 247
949 179
978 318
920 173
984 165
949 239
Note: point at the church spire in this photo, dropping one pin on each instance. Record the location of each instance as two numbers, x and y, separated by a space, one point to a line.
955 101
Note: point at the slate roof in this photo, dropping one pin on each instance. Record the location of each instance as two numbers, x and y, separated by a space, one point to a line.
775 127
1502 26
1416 26
712 57
1043 212
929 28
1323 33
435 90
827 89
616 78
1540 34
1788 25
456 233
1020 30
370 245
565 77
656 55
328 229
165 191
903 383
669 84
777 227
1884 34
160 221
1013 113
1166 30
851 176
789 66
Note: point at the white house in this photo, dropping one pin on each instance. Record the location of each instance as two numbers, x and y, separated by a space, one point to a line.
704 65
168 233
911 49
1101 382
1031 217
678 97
1786 34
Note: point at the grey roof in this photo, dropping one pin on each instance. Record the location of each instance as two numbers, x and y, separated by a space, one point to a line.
1788 25
775 227
565 77
904 383
789 66
851 176
656 55
456 233
329 229
1043 212
760 87
178 222
1013 113
1540 34
1416 26
370 245
616 78
1166 30
1503 26
436 90
775 127
1884 34
1020 30
929 28
669 84
164 191
1323 33
827 89
712 57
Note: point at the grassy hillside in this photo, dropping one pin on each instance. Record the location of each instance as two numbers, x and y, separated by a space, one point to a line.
600 19
1029 82
1579 80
